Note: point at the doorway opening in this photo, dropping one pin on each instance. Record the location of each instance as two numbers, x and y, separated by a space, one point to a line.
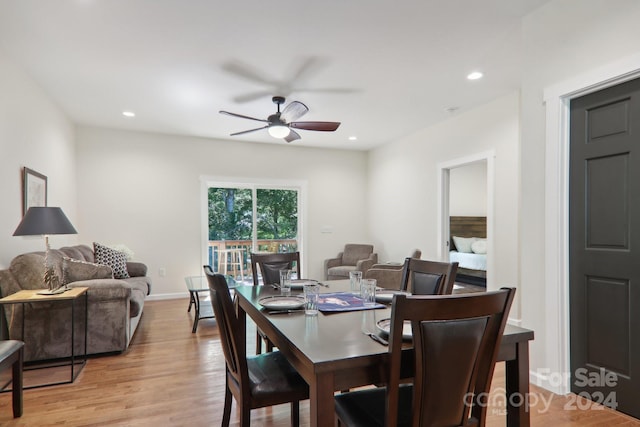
465 229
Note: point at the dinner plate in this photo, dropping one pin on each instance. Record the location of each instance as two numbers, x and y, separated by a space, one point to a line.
299 283
386 296
281 302
384 326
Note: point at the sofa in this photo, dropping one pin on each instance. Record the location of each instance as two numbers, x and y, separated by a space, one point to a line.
115 305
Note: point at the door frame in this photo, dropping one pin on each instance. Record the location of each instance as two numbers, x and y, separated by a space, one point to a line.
444 169
557 99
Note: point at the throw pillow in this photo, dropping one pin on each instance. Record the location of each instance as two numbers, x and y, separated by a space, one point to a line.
114 259
463 244
74 270
479 246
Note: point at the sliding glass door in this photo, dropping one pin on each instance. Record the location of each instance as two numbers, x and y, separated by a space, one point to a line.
250 218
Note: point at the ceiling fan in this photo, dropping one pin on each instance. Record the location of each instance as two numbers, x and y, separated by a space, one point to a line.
281 124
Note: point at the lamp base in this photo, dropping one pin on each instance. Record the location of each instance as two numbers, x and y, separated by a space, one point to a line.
52 292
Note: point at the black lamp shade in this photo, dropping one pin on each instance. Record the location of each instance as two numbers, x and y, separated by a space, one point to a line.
44 220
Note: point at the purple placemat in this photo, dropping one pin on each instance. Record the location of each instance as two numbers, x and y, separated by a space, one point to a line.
342 301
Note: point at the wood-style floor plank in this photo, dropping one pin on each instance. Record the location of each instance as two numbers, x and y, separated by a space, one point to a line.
171 377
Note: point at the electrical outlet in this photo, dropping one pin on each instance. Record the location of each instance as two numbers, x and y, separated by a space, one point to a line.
162 272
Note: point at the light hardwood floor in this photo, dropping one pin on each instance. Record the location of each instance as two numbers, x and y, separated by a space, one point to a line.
171 377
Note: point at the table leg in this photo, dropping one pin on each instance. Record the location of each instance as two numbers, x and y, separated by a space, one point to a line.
196 301
322 407
17 384
191 301
517 387
73 337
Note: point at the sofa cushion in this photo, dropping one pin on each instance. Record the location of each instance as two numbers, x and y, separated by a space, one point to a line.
28 269
81 252
136 269
74 270
341 270
114 259
140 283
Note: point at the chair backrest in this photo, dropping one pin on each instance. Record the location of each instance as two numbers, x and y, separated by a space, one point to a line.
232 333
208 269
428 277
354 252
271 264
456 340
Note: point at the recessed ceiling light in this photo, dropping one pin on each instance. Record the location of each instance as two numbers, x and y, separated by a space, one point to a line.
128 114
353 138
475 75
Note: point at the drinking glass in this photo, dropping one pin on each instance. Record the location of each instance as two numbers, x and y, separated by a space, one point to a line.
368 291
354 281
311 292
285 282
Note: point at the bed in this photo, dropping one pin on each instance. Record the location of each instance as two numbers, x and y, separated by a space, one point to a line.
470 232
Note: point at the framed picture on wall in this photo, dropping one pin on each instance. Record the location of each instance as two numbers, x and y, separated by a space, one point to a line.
34 190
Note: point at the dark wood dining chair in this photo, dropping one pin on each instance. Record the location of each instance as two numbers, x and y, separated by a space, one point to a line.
456 340
256 381
423 277
12 359
270 265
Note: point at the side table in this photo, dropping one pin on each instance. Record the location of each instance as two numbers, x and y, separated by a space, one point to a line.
203 309
71 295
195 285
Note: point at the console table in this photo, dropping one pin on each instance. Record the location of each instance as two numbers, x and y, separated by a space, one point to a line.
69 296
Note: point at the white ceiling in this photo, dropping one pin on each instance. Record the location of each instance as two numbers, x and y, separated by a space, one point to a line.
383 68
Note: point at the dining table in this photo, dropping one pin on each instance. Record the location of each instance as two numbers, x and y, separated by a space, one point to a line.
331 352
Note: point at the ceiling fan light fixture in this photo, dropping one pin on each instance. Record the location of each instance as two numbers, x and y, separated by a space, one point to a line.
278 131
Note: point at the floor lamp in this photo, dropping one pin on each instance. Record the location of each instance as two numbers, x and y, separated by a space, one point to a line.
43 221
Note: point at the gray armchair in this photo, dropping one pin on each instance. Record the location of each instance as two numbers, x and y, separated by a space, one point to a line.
354 257
389 275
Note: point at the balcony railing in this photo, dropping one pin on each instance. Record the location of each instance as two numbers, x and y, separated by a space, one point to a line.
245 246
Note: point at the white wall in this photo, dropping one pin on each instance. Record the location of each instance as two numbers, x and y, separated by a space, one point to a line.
403 193
468 190
563 39
144 190
36 134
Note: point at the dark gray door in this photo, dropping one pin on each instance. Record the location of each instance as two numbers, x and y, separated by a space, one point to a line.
604 246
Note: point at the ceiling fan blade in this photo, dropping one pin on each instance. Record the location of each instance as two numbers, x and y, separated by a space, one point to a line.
294 111
248 131
248 72
243 117
321 126
293 135
306 68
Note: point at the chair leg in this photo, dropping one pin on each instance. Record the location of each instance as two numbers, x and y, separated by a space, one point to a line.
245 416
269 346
17 384
258 343
295 413
226 414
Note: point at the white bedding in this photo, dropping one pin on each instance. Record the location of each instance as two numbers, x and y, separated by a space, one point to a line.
469 260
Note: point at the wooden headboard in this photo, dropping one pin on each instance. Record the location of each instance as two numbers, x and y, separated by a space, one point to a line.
467 226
